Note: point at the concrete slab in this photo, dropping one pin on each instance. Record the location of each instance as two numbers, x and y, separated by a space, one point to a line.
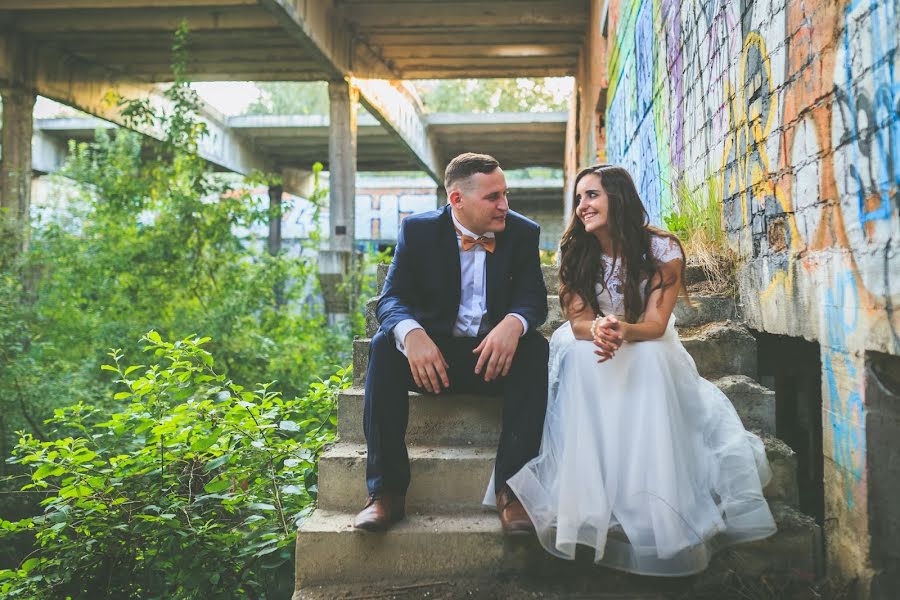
448 480
445 480
754 403
463 419
443 420
719 349
423 548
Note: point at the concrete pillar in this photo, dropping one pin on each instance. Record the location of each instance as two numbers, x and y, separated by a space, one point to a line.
336 261
274 240
15 166
342 164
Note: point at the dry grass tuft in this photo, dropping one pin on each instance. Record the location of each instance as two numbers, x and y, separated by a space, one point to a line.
696 219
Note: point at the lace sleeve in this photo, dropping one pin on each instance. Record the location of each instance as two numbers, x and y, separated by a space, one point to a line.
665 249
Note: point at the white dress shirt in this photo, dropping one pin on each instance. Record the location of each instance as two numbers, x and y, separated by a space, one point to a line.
473 296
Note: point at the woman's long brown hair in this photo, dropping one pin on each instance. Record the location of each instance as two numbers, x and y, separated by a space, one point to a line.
580 265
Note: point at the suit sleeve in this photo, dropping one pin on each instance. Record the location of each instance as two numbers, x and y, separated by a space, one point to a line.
395 304
529 296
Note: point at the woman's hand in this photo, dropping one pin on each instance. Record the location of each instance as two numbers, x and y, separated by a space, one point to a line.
608 336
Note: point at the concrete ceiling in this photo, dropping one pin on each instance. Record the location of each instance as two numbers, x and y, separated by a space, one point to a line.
312 40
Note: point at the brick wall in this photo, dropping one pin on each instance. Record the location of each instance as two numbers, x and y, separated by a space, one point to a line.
792 108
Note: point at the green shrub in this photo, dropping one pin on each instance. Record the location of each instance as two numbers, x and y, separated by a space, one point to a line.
193 490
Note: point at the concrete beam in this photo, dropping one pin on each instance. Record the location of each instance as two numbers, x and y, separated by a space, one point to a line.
113 4
48 152
399 110
321 29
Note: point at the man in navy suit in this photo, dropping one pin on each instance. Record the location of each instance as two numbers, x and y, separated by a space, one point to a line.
460 309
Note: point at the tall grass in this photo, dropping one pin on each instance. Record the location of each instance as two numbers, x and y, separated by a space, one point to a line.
696 218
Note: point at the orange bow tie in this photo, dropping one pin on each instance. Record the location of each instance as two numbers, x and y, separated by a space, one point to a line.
468 242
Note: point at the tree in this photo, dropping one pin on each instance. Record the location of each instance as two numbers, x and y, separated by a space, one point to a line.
494 95
291 98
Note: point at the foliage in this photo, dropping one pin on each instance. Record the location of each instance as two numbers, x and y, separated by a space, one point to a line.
493 95
193 490
150 238
696 218
549 258
291 98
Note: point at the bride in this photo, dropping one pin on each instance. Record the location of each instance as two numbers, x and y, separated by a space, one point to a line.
641 458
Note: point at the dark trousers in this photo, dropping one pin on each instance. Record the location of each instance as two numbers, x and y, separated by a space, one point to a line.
386 413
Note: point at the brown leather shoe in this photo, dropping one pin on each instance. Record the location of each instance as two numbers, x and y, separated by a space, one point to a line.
513 517
381 511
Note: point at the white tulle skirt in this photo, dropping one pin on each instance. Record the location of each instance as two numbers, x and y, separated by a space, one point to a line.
642 460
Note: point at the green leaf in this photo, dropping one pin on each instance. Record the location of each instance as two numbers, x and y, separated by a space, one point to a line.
288 426
109 368
153 336
47 470
217 462
31 564
216 485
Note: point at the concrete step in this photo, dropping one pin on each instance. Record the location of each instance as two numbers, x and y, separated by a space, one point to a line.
465 419
453 479
430 547
702 310
719 349
693 274
754 403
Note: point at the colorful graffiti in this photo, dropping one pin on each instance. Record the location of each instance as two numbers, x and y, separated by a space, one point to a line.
846 412
795 107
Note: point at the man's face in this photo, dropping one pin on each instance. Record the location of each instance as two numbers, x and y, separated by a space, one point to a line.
480 202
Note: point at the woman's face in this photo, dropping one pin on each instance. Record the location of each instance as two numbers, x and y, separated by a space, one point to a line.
593 203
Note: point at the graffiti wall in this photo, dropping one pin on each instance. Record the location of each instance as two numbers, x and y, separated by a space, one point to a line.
794 109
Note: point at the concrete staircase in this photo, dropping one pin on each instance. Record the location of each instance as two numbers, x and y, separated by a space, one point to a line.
452 440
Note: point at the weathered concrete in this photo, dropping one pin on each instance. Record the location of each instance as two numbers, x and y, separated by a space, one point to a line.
788 111
463 419
453 479
426 547
396 105
342 164
753 402
720 349
704 309
15 166
442 420
273 242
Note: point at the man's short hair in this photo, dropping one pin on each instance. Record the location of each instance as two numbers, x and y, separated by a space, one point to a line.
466 165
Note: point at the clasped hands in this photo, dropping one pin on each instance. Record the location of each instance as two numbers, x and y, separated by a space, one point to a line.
495 355
608 337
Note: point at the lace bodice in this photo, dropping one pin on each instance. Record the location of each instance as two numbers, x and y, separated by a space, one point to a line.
612 297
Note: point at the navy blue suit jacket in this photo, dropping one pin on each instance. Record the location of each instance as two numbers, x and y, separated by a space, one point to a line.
423 282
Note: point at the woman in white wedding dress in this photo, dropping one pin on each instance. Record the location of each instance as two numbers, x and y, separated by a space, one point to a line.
641 458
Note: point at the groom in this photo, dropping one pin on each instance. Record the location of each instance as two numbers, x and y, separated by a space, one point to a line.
459 312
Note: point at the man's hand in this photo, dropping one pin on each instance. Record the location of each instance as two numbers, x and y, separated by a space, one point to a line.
429 369
608 337
497 349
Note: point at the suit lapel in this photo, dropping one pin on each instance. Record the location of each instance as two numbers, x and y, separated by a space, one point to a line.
492 265
449 252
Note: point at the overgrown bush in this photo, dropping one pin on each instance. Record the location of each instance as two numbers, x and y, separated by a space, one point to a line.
150 238
193 490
